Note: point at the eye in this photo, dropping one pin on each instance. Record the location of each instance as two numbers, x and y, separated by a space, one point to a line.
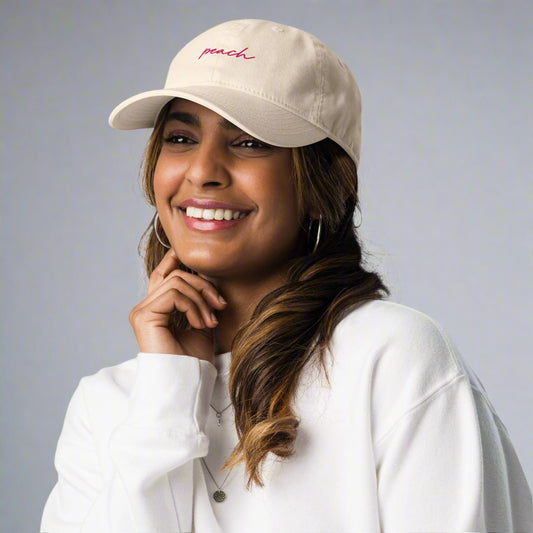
178 139
252 143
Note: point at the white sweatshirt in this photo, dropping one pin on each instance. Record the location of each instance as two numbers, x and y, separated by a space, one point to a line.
403 439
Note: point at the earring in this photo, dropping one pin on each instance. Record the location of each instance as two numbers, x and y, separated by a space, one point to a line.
358 224
318 232
154 223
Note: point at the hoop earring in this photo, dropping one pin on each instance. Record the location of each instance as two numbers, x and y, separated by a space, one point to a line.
318 232
358 225
154 223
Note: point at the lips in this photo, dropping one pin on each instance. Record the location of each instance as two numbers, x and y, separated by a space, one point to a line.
214 214
207 215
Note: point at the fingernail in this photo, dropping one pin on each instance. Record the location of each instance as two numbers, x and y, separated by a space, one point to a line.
214 318
222 301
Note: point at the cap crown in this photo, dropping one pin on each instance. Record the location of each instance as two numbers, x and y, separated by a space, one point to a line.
278 83
310 80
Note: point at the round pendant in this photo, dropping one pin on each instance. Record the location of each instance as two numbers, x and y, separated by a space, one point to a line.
219 496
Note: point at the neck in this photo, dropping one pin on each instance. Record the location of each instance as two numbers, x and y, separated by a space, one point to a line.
242 297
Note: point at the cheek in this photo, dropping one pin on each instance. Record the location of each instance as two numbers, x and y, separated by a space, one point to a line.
280 200
165 178
285 198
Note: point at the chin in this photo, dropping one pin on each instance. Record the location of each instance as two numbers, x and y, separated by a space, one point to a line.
209 267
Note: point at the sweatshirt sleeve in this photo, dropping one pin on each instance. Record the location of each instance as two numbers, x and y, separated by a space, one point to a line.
448 465
160 436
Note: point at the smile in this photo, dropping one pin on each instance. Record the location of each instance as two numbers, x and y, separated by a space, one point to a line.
213 214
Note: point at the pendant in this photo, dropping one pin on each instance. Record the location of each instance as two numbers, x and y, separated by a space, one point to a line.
219 496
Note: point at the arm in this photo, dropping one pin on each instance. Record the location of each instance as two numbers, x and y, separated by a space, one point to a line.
160 437
448 465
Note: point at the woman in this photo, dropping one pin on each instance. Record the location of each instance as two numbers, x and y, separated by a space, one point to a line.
265 346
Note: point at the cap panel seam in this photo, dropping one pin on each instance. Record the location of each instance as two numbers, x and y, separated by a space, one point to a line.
320 55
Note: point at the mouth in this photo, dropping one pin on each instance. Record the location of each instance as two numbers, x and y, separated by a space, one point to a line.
213 214
214 217
203 214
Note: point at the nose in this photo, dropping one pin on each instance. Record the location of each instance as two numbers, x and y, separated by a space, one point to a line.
208 167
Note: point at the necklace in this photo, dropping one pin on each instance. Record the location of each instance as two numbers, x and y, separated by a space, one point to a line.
219 413
219 495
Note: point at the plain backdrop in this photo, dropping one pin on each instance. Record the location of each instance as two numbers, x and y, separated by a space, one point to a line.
445 189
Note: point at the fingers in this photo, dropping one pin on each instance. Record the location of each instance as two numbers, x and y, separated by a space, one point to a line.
196 296
208 291
169 263
169 266
196 300
157 311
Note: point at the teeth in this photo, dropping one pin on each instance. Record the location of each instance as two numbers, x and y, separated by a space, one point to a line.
213 214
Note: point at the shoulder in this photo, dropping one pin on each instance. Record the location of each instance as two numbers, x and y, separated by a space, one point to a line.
392 328
383 318
399 356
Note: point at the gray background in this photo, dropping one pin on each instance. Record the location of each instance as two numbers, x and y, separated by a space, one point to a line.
445 190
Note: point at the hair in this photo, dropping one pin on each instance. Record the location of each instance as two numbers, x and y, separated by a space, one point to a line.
291 327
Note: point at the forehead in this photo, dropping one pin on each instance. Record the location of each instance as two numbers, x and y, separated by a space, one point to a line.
195 114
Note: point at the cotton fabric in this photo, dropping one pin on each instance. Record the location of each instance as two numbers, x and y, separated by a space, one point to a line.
280 84
402 438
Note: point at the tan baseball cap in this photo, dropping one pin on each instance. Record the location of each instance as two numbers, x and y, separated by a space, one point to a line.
278 83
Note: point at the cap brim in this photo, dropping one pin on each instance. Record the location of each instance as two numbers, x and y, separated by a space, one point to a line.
260 118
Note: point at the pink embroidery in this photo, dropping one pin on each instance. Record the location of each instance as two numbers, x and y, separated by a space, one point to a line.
230 53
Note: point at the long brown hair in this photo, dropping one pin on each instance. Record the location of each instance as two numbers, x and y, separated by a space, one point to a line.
291 326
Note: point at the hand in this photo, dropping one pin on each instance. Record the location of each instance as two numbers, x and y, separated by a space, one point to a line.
170 288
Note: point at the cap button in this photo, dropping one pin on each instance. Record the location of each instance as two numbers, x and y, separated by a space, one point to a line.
278 29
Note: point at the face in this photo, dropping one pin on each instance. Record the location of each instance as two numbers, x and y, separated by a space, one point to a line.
226 201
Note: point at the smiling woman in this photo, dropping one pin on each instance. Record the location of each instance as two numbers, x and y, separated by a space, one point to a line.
275 389
210 165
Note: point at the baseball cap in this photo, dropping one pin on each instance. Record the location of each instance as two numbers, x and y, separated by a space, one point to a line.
279 84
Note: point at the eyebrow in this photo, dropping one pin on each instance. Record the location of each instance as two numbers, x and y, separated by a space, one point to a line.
194 120
186 118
